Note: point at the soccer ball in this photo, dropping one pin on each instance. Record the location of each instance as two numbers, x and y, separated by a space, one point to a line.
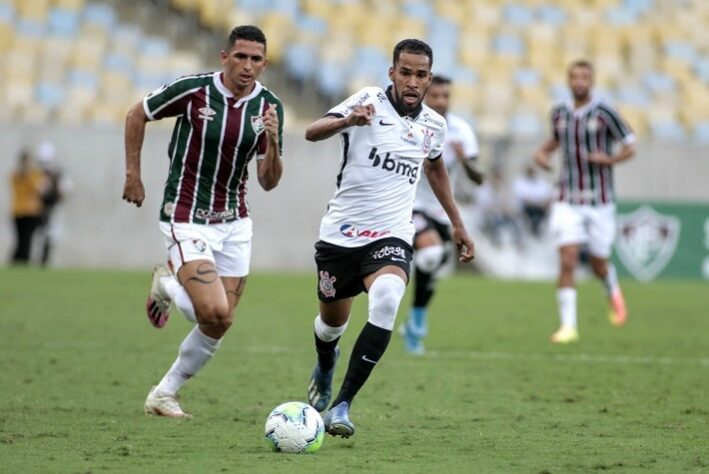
295 427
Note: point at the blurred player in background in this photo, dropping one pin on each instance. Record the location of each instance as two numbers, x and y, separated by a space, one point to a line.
58 185
433 236
27 184
586 129
224 119
388 138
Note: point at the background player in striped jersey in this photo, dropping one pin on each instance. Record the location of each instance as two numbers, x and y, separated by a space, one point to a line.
388 138
433 237
224 119
587 131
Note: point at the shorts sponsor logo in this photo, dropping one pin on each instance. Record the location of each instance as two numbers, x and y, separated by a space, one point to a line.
348 230
200 245
401 167
205 113
327 284
257 124
646 241
390 252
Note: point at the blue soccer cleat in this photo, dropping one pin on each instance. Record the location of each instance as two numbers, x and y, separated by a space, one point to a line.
337 421
320 386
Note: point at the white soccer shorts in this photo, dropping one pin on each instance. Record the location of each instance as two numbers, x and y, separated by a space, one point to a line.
591 225
228 245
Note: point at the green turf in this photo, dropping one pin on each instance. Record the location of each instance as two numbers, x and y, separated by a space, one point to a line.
77 358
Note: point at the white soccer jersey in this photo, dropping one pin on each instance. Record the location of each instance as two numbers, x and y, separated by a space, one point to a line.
458 132
380 166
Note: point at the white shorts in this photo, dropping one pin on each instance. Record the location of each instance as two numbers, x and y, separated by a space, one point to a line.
591 225
227 245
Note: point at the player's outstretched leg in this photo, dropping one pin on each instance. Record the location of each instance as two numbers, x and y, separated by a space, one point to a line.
567 333
320 385
618 313
158 304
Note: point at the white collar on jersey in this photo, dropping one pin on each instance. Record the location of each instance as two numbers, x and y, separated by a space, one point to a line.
226 92
585 107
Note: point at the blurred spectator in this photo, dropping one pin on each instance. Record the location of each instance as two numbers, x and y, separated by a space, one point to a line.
499 210
57 186
27 183
534 195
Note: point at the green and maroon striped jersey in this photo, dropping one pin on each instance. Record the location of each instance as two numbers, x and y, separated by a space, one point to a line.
595 127
214 138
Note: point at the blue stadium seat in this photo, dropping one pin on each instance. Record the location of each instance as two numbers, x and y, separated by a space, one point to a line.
7 13
299 59
681 50
667 129
700 133
50 94
64 23
102 15
518 15
621 16
659 82
552 15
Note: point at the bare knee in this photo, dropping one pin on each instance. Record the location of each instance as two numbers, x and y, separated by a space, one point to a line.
215 318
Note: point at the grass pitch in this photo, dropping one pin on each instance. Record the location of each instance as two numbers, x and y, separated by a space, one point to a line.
77 358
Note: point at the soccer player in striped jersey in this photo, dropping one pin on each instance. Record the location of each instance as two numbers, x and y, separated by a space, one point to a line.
593 138
433 237
224 120
388 138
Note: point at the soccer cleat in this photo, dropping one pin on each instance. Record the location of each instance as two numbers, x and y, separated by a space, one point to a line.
158 305
337 421
412 343
320 386
564 335
618 313
164 405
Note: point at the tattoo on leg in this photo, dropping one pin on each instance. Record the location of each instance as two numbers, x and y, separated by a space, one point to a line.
207 274
239 288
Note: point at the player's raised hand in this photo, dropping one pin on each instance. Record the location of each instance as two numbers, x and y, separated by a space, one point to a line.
134 192
361 115
270 121
464 244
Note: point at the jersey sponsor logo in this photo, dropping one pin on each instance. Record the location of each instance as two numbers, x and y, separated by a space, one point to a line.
205 113
646 241
409 138
401 167
327 284
212 215
381 96
359 102
257 124
348 230
390 252
428 119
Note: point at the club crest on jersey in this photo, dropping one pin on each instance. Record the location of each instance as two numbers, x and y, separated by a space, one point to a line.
646 241
427 135
327 284
592 125
205 113
257 124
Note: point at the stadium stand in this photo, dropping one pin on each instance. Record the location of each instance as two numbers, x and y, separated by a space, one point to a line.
507 59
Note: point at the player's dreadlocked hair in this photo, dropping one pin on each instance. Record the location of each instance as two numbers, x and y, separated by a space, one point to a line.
248 33
412 46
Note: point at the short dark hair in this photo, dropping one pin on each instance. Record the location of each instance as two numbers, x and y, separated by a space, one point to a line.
412 46
583 63
439 80
248 33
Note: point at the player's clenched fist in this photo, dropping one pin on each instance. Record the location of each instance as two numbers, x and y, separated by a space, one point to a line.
361 115
270 121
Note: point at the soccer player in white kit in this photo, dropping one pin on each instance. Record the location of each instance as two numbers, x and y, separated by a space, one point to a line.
432 238
388 138
587 130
